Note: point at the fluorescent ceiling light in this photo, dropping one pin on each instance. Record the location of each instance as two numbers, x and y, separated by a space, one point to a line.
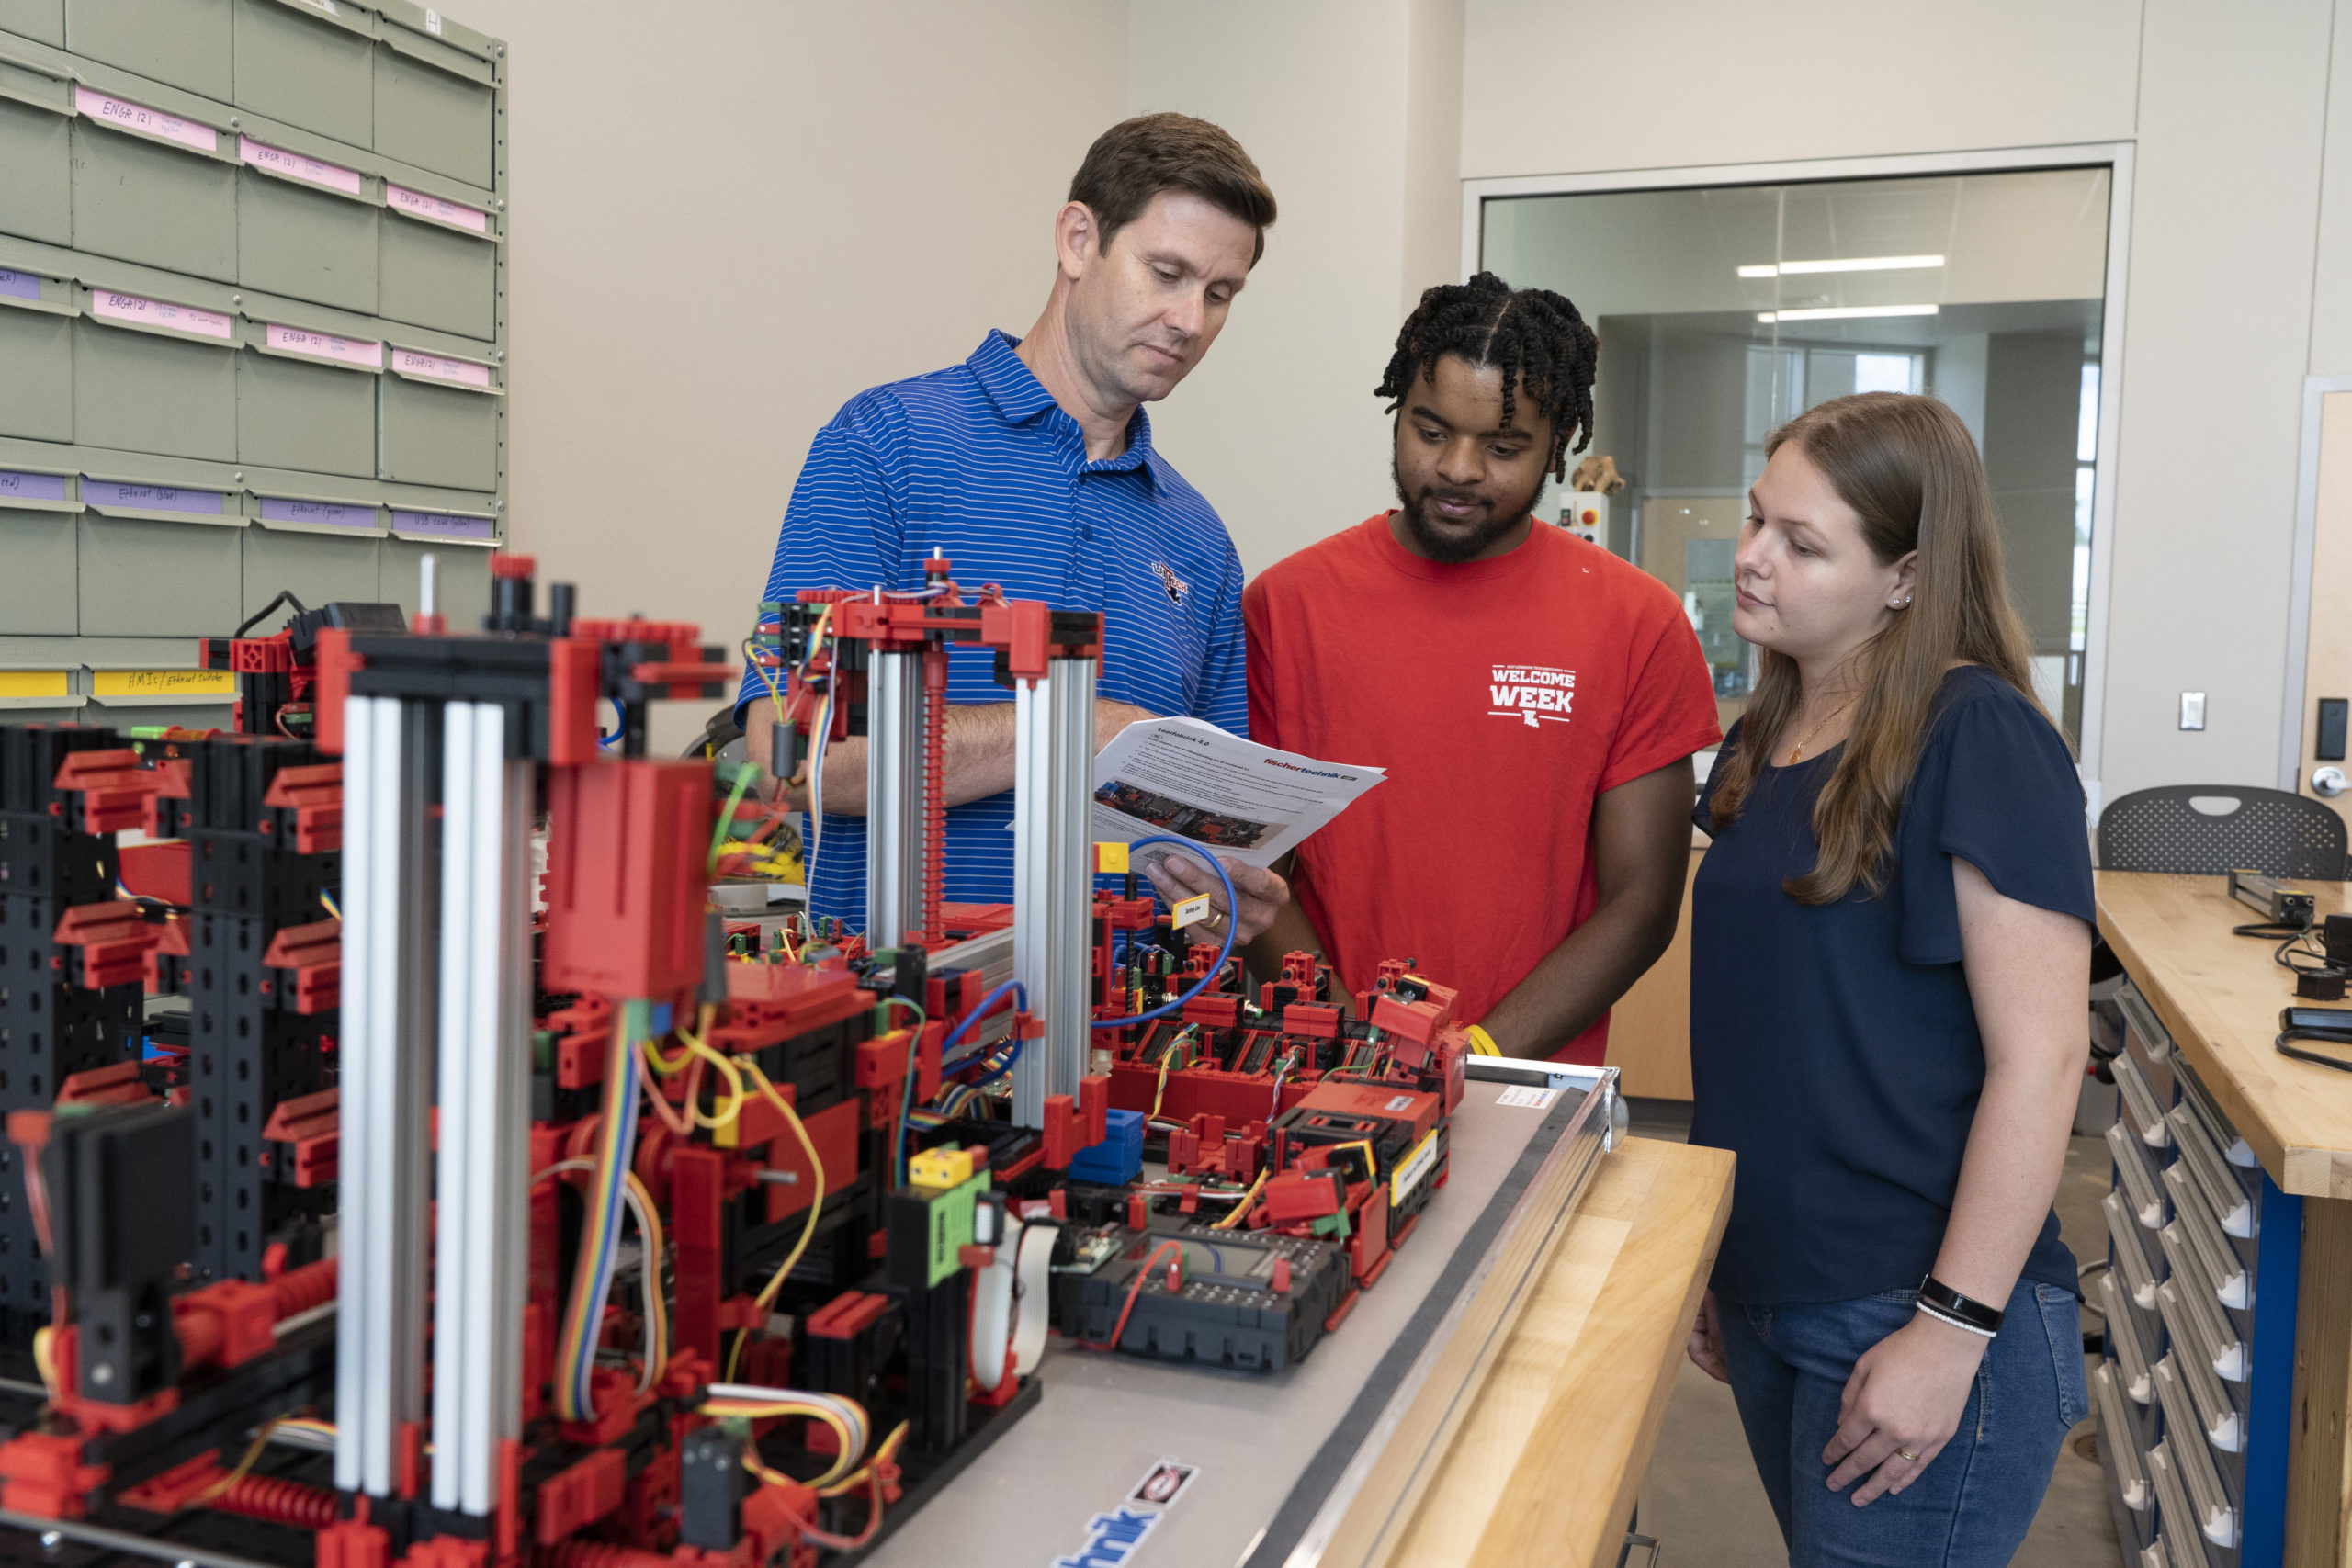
1850 264
1847 312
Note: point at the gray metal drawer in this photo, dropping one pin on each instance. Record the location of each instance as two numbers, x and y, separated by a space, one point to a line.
2194 1228
2146 1117
2189 1492
2195 1326
2137 1176
2141 1023
2132 1375
2116 1442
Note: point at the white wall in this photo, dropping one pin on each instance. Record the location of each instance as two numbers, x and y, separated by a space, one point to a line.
730 217
2226 105
1278 427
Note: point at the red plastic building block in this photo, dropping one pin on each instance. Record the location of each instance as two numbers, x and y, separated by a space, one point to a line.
626 849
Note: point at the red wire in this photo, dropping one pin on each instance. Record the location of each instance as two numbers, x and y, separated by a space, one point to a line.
1119 1330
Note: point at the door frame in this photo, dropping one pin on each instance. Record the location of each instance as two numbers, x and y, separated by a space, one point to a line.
2118 155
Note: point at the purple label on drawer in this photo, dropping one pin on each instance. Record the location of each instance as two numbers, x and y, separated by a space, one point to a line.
14 486
325 514
19 285
150 498
445 527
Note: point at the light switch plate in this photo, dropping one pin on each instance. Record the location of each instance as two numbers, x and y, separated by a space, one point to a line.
2192 710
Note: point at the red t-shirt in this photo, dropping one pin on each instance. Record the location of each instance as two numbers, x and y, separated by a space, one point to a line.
1501 697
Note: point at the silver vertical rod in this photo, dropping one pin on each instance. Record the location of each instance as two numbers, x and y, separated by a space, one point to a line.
1070 828
482 1244
455 1178
366 1005
403 1172
894 774
1053 765
1032 881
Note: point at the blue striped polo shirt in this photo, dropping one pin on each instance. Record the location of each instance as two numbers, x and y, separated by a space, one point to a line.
978 462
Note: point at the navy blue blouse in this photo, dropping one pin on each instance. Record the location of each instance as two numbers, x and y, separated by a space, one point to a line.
1833 1047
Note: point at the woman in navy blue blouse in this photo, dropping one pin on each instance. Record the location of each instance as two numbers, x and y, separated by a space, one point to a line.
1890 953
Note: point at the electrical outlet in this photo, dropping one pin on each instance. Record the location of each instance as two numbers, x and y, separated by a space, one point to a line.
2192 710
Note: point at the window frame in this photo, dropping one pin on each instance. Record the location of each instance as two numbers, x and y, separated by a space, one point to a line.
2115 156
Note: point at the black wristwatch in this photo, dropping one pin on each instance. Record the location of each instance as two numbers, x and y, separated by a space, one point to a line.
1938 1300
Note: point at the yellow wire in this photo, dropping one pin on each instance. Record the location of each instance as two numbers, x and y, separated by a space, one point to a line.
842 1460
656 1330
244 1467
882 1455
42 1360
766 1297
1241 1210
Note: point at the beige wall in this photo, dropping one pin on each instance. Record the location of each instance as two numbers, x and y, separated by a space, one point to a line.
2226 105
1279 427
728 219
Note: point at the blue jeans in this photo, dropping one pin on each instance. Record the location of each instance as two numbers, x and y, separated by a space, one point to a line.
1970 1508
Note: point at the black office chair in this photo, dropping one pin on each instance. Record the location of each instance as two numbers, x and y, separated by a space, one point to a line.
2267 830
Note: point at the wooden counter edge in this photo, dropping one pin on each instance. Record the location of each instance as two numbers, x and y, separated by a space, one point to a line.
1600 1423
2307 1172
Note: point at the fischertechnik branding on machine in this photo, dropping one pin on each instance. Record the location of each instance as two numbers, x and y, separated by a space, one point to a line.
1112 1539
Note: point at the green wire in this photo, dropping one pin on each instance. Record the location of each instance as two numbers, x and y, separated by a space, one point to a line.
719 830
907 1090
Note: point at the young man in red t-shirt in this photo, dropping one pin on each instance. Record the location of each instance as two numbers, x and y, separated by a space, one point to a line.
1535 699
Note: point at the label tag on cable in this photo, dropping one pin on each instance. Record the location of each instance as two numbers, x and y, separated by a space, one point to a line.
1190 912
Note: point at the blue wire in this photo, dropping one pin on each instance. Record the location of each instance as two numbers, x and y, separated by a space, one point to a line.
1232 903
987 1002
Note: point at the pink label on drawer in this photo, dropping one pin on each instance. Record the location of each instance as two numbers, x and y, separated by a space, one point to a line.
159 313
433 210
296 166
407 361
323 346
140 120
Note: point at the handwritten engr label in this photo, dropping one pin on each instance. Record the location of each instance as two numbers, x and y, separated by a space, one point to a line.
433 210
325 346
407 361
440 524
159 313
163 684
323 513
15 486
140 120
19 285
297 166
152 497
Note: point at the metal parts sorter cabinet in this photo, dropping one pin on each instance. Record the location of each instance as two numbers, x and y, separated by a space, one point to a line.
250 262
2192 1393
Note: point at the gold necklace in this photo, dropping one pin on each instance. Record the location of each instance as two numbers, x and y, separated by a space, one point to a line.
1797 755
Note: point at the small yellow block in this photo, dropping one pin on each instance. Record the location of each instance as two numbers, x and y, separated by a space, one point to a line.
940 1168
1111 859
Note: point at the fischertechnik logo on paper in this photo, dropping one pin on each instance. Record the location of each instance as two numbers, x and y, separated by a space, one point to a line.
1531 693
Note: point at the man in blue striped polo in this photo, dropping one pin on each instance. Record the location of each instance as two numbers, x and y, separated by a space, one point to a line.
1030 465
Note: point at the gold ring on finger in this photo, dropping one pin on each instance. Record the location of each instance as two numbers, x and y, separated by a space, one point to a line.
1906 1453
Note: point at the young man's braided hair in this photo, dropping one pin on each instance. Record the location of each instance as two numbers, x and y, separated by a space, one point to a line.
1533 335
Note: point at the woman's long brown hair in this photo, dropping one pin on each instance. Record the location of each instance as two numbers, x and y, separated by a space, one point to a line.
1907 466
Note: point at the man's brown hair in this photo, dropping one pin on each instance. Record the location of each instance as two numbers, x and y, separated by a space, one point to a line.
1136 159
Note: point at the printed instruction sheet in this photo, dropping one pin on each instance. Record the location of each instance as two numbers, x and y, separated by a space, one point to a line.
1231 797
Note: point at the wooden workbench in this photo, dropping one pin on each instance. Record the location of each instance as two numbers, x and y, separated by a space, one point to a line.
1546 1466
2219 996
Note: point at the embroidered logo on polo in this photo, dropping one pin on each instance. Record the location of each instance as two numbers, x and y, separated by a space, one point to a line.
1532 694
1175 586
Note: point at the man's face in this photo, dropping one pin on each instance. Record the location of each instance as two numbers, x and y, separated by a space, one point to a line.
1465 480
1145 307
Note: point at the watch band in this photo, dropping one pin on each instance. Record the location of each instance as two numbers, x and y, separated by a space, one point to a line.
1966 1312
1945 1317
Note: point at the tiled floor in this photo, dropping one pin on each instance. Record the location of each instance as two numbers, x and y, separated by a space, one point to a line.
1703 1502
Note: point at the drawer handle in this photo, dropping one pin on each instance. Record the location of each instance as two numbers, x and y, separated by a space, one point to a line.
2217 1415
2115 1441
2216 1259
2131 1255
2200 1152
2139 1100
2196 1323
2131 1356
2140 1023
2139 1186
